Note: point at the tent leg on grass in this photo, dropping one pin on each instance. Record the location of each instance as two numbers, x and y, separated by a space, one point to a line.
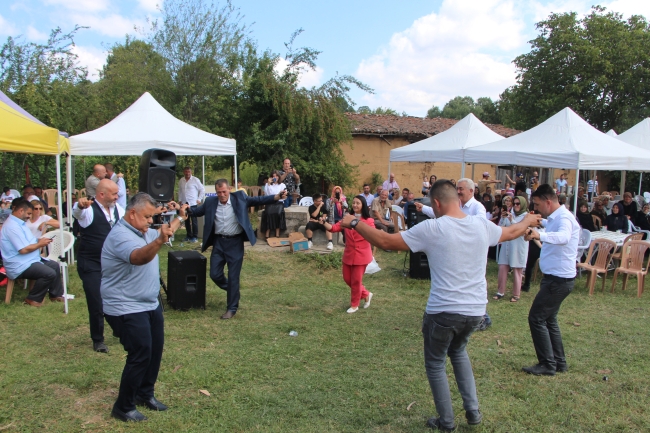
575 193
59 216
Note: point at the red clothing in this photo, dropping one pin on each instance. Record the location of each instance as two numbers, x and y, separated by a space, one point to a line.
357 250
353 277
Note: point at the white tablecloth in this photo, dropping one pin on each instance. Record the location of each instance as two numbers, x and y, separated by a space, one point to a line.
612 236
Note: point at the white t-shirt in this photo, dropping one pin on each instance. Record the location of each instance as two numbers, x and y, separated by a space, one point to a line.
457 252
273 189
33 226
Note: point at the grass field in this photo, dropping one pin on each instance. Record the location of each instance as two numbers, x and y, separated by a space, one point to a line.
342 373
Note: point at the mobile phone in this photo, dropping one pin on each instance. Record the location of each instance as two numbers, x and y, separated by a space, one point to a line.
338 195
505 208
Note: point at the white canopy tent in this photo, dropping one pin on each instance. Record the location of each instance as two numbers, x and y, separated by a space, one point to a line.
449 145
145 125
564 140
639 136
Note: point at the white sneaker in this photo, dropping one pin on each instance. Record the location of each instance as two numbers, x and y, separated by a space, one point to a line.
367 304
330 245
309 244
352 310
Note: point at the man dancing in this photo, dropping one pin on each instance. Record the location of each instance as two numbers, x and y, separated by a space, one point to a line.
458 295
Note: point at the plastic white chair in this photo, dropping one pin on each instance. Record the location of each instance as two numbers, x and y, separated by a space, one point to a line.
57 249
646 196
306 201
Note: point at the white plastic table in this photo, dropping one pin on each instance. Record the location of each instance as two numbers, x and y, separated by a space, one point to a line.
617 237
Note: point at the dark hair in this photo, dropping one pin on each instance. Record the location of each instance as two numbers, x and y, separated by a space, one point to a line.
365 212
187 167
221 182
21 203
545 192
106 166
5 189
27 185
443 190
316 196
406 189
366 185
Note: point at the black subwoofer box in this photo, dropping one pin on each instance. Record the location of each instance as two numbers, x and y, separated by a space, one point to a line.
186 280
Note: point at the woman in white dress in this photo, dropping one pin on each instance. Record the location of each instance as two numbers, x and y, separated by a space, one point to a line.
512 254
38 223
273 216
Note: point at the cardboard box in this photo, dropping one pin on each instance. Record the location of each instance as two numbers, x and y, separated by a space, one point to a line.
297 242
278 242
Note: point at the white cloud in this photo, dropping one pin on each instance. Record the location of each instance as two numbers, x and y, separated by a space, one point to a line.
35 35
113 25
150 5
92 58
464 49
80 5
308 77
7 28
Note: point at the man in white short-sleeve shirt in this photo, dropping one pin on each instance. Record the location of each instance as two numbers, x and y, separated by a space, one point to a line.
458 293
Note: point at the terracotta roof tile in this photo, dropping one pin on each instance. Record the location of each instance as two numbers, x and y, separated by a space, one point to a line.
417 128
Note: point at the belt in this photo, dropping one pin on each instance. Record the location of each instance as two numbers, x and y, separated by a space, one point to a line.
227 236
559 279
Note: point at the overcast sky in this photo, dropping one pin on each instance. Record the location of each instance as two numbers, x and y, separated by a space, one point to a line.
415 54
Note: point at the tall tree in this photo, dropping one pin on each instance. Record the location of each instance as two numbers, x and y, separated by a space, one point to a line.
598 65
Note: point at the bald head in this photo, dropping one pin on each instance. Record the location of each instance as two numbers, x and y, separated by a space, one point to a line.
99 171
106 192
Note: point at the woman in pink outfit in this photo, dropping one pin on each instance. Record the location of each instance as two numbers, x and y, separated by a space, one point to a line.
356 256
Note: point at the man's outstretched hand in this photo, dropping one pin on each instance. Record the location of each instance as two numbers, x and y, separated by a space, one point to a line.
345 222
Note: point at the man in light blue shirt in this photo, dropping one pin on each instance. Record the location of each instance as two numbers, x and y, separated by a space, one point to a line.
557 261
129 290
21 255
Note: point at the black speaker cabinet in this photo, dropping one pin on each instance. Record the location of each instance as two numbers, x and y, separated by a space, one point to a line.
186 280
418 262
158 174
419 266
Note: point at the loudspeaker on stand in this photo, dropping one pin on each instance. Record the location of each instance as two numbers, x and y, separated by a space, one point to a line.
186 280
158 174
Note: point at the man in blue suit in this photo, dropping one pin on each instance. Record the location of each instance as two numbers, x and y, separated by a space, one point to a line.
226 229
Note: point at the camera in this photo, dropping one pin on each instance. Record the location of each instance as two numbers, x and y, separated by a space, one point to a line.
291 166
338 196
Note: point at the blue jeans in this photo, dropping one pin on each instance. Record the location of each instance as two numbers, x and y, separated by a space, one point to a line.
447 334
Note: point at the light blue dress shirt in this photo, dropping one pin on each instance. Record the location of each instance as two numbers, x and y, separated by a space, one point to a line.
128 288
14 237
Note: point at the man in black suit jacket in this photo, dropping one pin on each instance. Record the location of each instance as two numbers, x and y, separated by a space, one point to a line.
226 229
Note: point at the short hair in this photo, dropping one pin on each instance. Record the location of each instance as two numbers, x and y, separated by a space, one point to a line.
19 204
108 166
5 189
285 159
406 189
221 182
316 196
187 167
140 200
545 192
468 181
443 191
366 185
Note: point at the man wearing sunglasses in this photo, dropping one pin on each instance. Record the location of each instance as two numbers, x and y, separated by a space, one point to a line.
96 218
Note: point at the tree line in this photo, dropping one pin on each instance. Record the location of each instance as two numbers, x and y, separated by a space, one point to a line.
201 63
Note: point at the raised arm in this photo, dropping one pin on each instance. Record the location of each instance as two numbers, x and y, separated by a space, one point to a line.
519 229
376 237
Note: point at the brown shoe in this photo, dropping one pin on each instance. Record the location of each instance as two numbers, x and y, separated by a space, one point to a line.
228 314
57 299
32 303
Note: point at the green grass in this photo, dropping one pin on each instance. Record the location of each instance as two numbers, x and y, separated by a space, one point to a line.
343 373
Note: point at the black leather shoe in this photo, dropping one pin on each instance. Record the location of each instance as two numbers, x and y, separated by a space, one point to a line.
100 347
561 368
132 415
539 370
525 288
474 417
228 315
434 423
151 403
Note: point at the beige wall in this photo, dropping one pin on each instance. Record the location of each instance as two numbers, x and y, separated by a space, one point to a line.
371 154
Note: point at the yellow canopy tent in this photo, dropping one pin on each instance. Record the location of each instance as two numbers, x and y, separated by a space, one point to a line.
21 134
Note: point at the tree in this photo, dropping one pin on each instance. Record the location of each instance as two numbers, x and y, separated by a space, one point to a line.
434 112
489 111
599 66
379 110
460 107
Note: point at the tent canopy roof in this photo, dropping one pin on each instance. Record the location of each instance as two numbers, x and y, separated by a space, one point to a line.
145 125
638 135
449 145
564 140
20 132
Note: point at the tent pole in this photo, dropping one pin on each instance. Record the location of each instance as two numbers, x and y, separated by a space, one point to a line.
68 199
59 216
234 181
203 169
462 169
472 171
388 170
575 193
640 180
622 186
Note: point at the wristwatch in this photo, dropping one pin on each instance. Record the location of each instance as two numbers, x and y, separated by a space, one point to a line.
180 218
354 223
